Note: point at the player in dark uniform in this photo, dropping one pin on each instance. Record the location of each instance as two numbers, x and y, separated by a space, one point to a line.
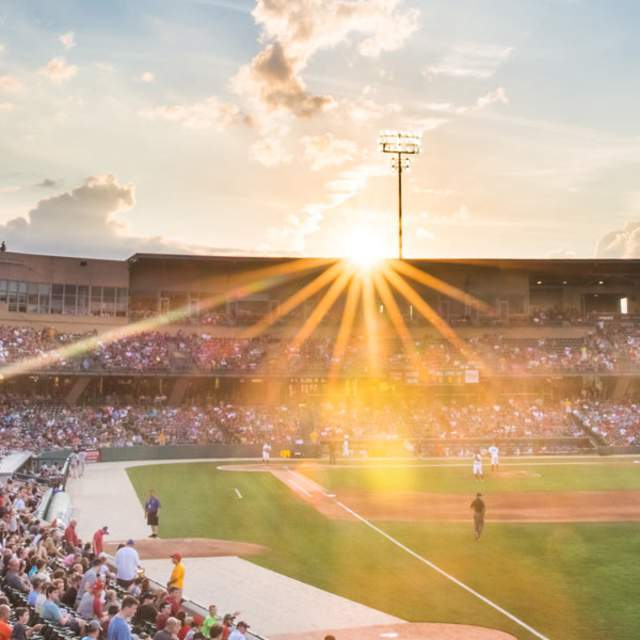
479 508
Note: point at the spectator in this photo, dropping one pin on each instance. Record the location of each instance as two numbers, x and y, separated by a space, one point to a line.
5 627
97 543
127 564
176 580
119 626
211 619
169 631
239 633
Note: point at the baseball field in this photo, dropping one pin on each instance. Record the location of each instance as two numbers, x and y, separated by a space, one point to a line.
558 557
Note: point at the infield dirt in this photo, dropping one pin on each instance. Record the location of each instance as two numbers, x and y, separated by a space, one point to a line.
412 506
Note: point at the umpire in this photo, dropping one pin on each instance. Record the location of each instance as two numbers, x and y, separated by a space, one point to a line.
478 508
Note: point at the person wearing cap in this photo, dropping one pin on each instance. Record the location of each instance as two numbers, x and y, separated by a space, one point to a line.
239 633
127 564
478 508
97 544
176 579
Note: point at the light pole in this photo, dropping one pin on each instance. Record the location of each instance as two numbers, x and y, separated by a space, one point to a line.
401 144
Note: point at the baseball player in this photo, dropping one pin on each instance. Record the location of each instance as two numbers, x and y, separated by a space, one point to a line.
345 446
266 452
494 452
477 467
478 508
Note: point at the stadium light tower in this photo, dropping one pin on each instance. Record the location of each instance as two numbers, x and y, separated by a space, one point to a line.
401 145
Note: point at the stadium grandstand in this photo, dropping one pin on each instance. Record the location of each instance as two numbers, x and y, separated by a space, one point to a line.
170 357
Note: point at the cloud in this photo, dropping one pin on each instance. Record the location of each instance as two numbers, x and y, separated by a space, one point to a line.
269 152
498 96
470 61
57 70
327 151
293 31
68 40
147 77
10 84
208 113
85 221
621 243
47 183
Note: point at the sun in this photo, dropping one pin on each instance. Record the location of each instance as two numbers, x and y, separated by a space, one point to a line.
363 249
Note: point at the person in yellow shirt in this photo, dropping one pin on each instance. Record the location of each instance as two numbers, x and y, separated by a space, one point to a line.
177 575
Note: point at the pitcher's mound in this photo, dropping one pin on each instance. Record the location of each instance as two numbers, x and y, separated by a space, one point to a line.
408 631
158 548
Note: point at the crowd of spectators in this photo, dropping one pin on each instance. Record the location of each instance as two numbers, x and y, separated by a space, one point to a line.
601 351
55 587
40 425
617 423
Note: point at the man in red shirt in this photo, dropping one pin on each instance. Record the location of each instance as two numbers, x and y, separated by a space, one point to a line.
71 536
5 627
98 540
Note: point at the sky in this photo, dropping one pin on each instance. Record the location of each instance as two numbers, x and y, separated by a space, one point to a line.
251 126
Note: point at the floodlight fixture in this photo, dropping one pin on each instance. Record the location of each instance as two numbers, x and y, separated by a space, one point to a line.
400 145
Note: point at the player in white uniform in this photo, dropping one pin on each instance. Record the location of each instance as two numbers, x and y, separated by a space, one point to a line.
494 452
266 452
345 446
477 467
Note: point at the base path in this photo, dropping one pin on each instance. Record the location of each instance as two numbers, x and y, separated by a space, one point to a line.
407 631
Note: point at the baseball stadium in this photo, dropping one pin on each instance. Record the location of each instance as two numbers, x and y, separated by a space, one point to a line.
319 320
317 432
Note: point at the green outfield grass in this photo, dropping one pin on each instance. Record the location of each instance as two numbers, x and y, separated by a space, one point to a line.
577 581
546 475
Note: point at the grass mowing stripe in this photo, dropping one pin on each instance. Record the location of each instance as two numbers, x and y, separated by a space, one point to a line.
443 573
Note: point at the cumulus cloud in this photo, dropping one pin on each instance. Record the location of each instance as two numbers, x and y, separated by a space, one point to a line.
470 61
58 70
86 221
621 243
10 84
205 114
147 77
327 151
295 30
68 40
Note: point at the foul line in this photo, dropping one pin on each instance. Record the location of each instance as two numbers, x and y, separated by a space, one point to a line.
436 568
299 487
238 493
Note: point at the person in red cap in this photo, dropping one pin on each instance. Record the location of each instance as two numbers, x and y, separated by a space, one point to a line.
98 540
176 579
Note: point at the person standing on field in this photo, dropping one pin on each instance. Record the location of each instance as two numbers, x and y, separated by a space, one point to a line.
479 509
152 511
494 452
266 452
477 467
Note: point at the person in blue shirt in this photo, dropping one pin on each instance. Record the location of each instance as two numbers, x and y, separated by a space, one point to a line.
152 511
119 628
